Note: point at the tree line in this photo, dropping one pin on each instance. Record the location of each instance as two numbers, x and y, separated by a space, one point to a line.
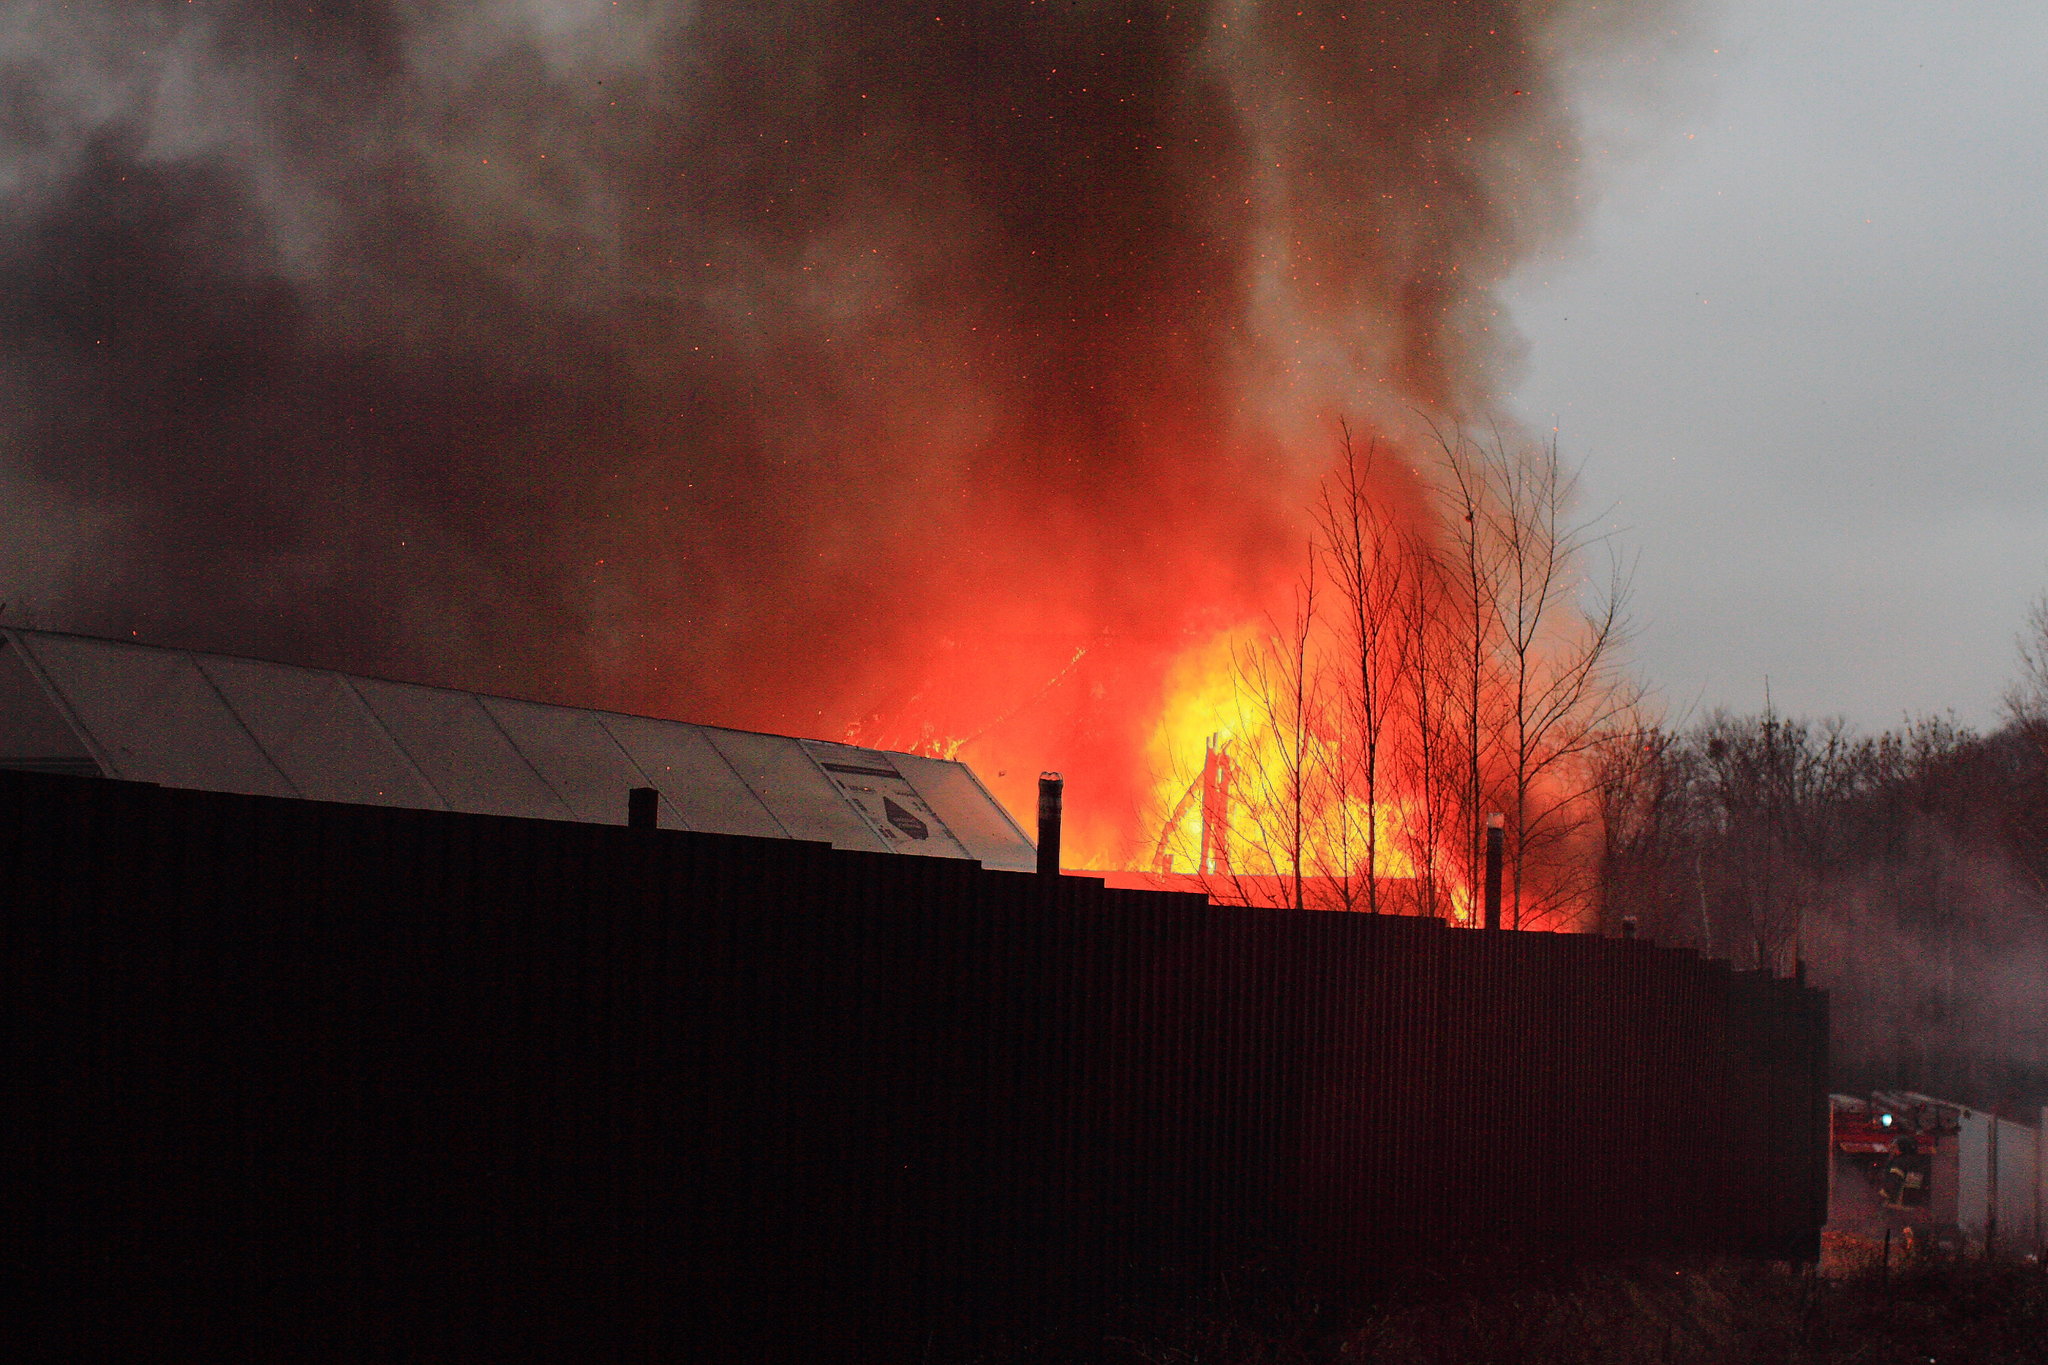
1906 872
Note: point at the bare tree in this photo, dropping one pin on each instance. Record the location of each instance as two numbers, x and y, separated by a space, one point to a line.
2026 701
1428 750
1562 687
1265 789
1368 562
1468 562
1769 784
1641 786
1281 797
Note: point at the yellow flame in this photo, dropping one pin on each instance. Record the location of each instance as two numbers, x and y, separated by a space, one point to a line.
1208 701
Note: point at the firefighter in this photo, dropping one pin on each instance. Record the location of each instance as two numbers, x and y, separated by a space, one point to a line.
1907 1176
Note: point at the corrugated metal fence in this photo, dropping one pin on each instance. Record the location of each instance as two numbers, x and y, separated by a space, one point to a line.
363 1082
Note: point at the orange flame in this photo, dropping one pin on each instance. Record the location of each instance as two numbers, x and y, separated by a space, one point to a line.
1151 716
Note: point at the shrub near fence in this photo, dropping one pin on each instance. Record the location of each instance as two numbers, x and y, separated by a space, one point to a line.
355 1082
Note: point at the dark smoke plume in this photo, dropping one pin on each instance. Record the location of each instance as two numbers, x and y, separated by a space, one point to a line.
788 365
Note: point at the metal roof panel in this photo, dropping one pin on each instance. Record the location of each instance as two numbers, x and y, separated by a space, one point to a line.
154 716
794 789
576 755
976 819
874 785
699 789
459 748
317 729
33 730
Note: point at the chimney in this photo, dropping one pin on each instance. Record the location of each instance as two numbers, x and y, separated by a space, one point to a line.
641 805
1051 791
1496 831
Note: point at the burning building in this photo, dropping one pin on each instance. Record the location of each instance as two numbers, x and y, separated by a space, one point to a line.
946 378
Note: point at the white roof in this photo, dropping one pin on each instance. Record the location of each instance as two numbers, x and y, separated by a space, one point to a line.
74 703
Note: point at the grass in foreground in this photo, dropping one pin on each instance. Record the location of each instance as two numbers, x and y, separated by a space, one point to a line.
1943 1313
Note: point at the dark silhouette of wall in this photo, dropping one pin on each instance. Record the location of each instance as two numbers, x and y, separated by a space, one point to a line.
359 1083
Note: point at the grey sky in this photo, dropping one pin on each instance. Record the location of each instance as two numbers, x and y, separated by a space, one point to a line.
1802 348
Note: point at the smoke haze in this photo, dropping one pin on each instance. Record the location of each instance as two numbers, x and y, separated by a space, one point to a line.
909 373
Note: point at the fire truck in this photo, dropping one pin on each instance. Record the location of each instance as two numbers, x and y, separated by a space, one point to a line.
1865 1133
1864 1130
